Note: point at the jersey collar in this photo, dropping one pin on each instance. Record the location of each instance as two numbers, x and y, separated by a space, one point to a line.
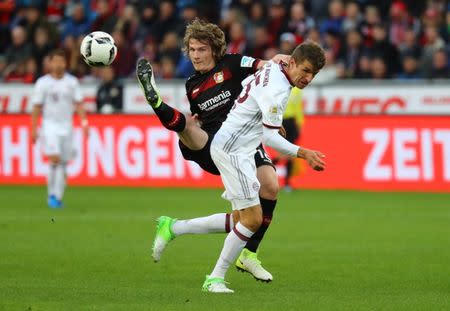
283 70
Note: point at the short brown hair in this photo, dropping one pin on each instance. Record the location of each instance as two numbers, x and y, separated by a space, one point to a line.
311 52
207 33
57 52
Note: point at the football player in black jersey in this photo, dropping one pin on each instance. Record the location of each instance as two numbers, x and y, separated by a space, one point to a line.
211 91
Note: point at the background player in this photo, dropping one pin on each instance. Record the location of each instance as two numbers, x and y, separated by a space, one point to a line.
56 95
257 116
211 92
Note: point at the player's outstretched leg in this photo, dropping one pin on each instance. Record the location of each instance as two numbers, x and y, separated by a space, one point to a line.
169 228
171 118
163 236
216 285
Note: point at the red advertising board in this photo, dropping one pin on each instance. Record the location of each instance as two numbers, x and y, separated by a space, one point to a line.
409 153
381 152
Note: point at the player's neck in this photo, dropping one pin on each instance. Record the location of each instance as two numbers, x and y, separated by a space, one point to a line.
57 75
207 70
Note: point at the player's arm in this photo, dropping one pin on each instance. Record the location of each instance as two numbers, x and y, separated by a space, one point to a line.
195 112
79 108
37 101
272 118
273 139
35 113
243 66
279 58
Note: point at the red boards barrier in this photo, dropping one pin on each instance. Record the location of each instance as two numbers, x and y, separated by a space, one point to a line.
364 152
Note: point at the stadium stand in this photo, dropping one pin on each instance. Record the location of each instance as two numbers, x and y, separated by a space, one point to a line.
363 39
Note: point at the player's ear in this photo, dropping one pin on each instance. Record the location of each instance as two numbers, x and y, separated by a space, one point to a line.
292 63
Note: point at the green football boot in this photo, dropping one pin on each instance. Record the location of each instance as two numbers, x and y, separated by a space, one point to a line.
146 78
163 236
248 262
216 285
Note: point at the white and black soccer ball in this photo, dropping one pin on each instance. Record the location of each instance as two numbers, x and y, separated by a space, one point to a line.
98 49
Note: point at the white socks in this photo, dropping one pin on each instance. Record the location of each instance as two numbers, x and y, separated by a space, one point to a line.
234 243
56 180
216 223
51 179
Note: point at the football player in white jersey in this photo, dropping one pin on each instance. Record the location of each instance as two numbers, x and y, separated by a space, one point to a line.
256 117
57 95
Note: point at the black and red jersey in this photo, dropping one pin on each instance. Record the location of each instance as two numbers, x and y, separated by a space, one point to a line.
211 95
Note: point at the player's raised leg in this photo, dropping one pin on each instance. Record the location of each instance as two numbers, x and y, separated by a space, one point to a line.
169 228
190 134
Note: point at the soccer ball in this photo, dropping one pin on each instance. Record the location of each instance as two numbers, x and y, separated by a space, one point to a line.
98 49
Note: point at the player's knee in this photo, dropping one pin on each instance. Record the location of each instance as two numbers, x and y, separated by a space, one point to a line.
252 223
269 189
235 217
268 179
256 223
54 160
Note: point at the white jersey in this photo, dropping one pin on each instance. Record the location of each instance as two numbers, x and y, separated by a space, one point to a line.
58 97
262 102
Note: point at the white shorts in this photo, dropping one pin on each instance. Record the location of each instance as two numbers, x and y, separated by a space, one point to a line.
238 173
60 145
57 140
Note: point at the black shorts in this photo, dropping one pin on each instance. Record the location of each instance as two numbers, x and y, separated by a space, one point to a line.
203 156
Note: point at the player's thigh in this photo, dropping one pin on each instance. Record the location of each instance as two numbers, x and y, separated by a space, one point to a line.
52 147
268 179
238 173
67 148
193 136
266 174
251 217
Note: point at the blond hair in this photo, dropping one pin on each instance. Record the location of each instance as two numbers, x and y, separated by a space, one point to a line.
207 33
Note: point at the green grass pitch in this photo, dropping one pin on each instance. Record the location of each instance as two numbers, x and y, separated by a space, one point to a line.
327 250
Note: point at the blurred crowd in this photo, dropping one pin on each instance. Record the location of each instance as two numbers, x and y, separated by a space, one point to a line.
363 39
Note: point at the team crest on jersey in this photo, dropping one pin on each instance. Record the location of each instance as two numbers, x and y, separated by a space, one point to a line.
255 186
274 114
218 77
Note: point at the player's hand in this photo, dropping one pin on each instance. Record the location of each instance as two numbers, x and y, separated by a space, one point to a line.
281 58
196 119
282 131
34 136
313 158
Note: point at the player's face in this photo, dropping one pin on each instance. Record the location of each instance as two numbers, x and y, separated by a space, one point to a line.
301 74
58 64
201 56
